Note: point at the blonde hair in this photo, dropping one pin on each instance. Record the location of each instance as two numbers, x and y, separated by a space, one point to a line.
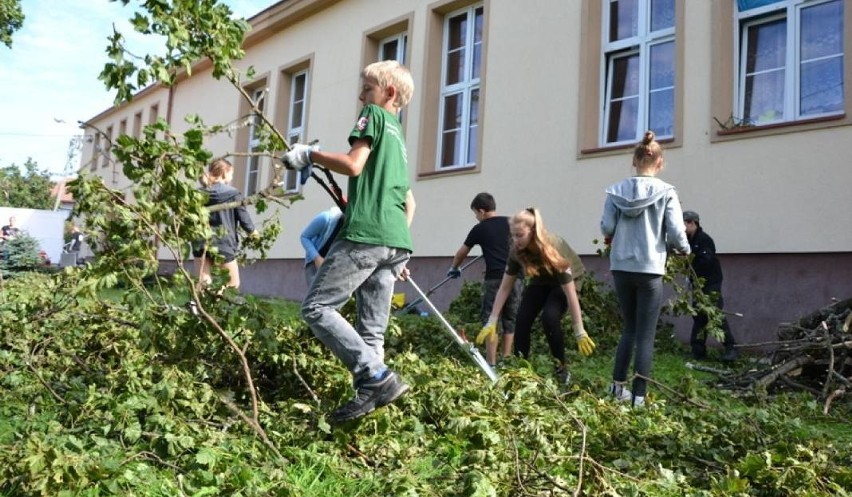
392 73
648 152
216 172
539 255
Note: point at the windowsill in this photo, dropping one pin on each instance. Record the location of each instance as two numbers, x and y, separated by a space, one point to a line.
744 130
450 172
612 149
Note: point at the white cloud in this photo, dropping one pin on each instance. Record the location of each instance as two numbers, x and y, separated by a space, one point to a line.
52 69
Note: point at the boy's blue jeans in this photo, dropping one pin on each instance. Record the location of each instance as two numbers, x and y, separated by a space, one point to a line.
369 272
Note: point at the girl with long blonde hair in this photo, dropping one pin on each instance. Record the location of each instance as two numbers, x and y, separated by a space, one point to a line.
553 273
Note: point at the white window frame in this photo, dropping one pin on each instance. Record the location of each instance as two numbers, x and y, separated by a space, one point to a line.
790 11
641 44
401 40
466 87
296 132
252 178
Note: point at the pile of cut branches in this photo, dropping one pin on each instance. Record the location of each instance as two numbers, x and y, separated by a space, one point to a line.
813 354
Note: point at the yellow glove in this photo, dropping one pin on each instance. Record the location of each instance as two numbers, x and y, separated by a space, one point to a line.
584 343
488 332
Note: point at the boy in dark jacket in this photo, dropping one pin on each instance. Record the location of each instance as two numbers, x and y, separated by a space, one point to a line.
706 265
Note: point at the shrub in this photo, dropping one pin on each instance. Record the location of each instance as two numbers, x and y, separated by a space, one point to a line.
19 254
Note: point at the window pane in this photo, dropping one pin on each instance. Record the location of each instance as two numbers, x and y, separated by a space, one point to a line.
456 39
661 112
455 66
389 50
450 149
252 166
625 77
452 112
622 120
764 97
821 87
662 14
662 66
472 138
297 113
822 30
457 32
299 87
477 43
766 46
623 19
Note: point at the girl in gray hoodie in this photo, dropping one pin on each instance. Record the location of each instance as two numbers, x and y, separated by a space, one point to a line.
642 219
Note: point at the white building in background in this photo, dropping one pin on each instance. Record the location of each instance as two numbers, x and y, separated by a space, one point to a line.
540 102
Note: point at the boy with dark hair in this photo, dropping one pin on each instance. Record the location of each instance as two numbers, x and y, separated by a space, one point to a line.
374 244
492 235
706 265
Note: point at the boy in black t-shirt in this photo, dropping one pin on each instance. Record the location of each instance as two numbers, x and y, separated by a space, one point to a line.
492 235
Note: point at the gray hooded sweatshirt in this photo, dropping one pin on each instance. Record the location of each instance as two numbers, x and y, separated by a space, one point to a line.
643 216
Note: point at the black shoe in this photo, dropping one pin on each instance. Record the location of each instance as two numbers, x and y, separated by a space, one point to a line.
370 396
563 377
731 354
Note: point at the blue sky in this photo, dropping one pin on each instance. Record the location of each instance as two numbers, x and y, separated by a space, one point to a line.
49 78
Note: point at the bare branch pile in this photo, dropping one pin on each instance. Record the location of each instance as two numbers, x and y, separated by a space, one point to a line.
813 354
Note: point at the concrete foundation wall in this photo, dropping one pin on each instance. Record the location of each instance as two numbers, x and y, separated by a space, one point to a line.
768 289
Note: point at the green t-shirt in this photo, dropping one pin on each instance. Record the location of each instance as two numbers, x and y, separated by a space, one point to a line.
575 270
375 213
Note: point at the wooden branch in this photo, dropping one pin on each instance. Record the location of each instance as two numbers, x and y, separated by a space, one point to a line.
829 374
782 369
837 393
672 391
305 384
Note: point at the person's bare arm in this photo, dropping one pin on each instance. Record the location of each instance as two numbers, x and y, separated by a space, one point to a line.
461 253
410 206
348 164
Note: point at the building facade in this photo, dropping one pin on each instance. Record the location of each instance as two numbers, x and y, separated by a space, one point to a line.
540 103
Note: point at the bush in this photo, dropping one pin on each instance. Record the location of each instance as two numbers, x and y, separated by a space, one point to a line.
20 254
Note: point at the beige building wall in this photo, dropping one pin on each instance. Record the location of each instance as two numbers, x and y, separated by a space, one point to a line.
778 190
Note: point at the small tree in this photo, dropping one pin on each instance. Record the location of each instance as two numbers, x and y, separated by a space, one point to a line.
11 20
19 254
27 189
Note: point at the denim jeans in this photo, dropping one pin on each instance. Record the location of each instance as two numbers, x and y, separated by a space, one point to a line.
369 272
640 296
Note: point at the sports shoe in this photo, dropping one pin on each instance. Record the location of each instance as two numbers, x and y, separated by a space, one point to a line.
639 401
192 307
369 396
563 376
621 394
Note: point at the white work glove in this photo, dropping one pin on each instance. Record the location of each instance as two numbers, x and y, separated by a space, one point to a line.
488 333
299 156
584 343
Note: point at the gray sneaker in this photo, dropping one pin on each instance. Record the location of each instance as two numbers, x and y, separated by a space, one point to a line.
621 394
369 396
